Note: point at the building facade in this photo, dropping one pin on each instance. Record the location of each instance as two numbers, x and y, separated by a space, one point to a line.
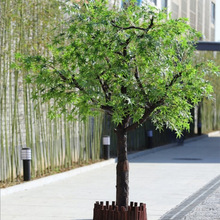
201 14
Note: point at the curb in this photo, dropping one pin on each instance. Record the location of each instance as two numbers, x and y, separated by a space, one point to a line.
213 133
53 178
187 205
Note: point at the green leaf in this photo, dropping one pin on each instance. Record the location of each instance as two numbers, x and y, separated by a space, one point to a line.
133 63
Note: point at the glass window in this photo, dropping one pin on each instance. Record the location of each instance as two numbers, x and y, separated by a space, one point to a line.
125 3
213 12
164 4
154 1
139 2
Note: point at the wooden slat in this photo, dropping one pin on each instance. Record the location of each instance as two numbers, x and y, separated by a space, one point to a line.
113 212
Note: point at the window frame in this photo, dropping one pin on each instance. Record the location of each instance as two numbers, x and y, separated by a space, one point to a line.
165 4
213 12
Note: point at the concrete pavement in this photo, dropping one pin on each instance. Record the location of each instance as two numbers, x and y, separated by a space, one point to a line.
176 182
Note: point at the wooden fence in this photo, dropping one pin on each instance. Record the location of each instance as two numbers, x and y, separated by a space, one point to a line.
113 212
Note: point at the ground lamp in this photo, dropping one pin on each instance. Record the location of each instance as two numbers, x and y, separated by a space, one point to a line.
106 147
26 157
150 138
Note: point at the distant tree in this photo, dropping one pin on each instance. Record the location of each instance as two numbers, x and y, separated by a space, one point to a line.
134 63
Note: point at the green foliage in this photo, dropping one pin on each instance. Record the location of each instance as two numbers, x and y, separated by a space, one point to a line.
134 64
210 107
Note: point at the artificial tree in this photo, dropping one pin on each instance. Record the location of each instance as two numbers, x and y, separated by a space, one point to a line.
134 63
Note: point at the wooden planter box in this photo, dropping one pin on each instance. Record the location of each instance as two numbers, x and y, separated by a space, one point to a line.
113 212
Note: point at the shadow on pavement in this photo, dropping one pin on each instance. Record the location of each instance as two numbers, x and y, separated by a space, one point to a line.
206 150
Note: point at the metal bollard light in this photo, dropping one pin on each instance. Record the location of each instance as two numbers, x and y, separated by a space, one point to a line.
106 147
199 128
26 157
150 138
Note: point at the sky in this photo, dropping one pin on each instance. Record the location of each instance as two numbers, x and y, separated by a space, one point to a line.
217 25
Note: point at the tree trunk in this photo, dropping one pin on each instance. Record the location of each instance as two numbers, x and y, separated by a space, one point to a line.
122 191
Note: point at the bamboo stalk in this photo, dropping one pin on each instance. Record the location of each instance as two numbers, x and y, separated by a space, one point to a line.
2 155
53 143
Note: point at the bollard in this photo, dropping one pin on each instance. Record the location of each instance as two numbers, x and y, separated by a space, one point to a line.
150 138
106 147
26 157
199 128
180 141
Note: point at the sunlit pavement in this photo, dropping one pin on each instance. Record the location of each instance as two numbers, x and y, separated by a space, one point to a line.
175 182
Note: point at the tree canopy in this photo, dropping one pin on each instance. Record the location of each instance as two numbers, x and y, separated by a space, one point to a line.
135 63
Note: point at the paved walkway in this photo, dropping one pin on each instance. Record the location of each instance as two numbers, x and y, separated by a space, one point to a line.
176 182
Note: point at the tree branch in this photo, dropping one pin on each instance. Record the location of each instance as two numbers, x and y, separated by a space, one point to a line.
145 116
135 27
108 62
148 110
136 75
72 82
151 24
151 107
105 88
177 76
125 47
107 109
148 28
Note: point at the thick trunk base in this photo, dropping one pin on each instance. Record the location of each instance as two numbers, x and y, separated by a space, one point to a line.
122 180
122 188
113 212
